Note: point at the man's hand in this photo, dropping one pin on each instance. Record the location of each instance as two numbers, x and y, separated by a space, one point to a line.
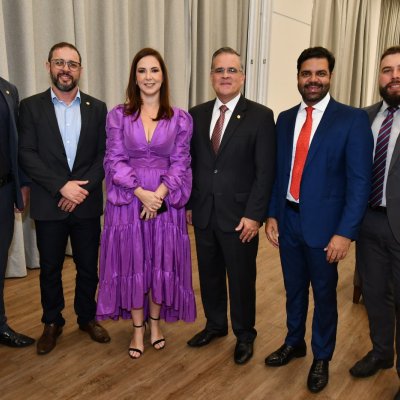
66 205
189 217
272 232
337 248
25 191
73 191
249 229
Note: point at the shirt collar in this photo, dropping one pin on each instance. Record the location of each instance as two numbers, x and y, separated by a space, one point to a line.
55 99
320 106
384 107
230 104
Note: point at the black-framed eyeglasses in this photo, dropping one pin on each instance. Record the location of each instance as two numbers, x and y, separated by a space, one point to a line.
60 63
229 71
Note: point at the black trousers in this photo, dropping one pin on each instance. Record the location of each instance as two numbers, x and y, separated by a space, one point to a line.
378 263
222 254
6 234
52 237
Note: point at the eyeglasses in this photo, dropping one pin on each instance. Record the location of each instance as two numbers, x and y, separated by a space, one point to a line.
229 71
60 63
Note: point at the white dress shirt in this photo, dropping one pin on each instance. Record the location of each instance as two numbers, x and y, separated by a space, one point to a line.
317 114
394 133
228 113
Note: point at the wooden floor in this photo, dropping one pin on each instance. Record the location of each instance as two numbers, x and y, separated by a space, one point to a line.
79 368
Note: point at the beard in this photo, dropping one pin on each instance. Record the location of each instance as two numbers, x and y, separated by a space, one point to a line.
64 87
313 97
392 99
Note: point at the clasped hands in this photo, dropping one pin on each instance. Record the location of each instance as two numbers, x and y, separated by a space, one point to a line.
72 194
151 202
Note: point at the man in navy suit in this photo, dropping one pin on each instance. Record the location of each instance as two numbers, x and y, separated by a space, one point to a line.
13 192
319 198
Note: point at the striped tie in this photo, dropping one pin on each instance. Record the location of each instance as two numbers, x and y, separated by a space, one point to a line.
217 132
378 169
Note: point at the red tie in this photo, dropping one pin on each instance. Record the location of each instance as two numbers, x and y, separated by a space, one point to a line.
217 132
300 157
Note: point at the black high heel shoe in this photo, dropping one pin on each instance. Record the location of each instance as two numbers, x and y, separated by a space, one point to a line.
158 341
133 349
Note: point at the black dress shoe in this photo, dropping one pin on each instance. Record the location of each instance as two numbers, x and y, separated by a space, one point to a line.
13 339
284 354
318 376
369 365
243 352
203 338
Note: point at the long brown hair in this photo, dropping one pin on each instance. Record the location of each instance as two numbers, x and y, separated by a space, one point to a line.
133 100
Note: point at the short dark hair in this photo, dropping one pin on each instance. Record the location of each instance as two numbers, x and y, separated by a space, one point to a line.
225 50
316 52
134 101
389 51
60 46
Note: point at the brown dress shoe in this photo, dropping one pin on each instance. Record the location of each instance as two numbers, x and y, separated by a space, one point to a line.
96 332
48 340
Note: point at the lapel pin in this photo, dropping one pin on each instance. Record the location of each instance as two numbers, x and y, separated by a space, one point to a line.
7 91
238 116
88 103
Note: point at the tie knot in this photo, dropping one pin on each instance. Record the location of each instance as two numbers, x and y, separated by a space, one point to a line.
223 109
392 110
309 110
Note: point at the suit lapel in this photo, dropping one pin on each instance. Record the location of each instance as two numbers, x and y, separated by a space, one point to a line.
86 106
323 128
289 137
238 115
50 113
395 154
204 126
8 97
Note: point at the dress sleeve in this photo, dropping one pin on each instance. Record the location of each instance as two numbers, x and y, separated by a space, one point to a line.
178 178
121 179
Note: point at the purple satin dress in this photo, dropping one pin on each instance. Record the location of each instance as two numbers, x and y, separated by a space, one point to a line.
138 256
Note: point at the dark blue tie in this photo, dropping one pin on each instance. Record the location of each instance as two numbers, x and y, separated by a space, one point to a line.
378 169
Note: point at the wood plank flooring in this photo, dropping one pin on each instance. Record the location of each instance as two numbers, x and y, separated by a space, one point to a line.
79 368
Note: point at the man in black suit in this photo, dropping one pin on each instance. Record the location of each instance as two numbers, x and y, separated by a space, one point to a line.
233 158
62 144
378 247
13 192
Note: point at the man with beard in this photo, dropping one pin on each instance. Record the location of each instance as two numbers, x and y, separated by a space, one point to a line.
319 198
62 144
378 247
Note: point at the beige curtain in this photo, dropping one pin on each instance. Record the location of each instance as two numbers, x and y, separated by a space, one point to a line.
108 33
390 35
214 24
344 26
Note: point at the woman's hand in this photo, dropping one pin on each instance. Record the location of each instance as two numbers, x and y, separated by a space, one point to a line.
146 214
149 199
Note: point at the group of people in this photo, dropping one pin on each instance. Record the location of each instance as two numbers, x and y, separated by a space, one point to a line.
324 175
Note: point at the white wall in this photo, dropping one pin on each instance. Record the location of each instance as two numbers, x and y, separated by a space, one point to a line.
290 35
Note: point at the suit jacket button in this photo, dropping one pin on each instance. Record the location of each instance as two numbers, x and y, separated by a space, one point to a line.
215 171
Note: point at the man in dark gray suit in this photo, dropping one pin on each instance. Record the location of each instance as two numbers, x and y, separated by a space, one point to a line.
233 163
62 144
13 192
378 246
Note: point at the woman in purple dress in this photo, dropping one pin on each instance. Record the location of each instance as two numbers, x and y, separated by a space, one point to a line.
145 263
